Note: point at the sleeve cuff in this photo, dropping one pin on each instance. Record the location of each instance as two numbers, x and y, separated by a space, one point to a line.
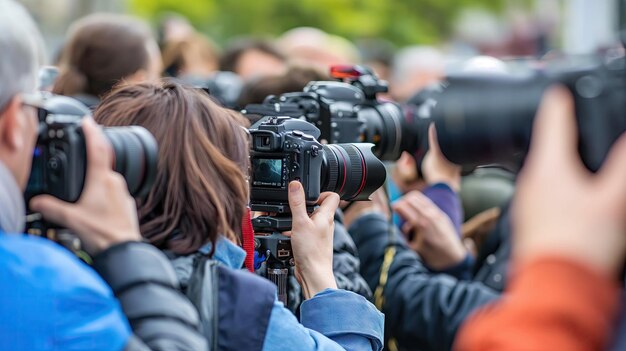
461 270
334 312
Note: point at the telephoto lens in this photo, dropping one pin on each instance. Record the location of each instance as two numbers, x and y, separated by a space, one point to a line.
352 171
136 155
60 156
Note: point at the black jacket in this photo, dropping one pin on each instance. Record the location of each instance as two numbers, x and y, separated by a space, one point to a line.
492 263
422 310
144 281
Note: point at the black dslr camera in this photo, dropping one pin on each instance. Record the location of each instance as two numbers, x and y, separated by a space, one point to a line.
348 111
284 149
60 159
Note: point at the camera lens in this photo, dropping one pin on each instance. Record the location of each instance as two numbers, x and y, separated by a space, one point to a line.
352 171
383 126
136 154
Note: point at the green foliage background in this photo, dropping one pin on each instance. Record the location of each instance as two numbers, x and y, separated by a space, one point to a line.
402 22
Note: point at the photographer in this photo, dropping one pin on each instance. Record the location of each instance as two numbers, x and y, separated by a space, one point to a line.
51 300
196 209
101 51
423 309
563 294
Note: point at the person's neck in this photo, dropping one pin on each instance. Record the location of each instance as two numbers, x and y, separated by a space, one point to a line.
12 208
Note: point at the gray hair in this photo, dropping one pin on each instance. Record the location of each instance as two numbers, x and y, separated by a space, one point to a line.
416 59
21 51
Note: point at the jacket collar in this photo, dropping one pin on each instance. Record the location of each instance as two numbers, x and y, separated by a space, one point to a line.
226 253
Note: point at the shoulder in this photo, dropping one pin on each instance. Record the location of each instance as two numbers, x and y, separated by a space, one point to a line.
243 285
48 262
56 293
245 306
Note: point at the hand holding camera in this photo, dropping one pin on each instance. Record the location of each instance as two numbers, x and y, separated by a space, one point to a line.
105 214
429 231
312 240
436 168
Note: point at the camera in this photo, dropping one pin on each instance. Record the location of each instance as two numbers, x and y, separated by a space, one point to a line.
348 111
488 119
284 149
60 159
223 86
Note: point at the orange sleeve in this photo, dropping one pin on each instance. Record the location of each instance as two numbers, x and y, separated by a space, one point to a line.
551 304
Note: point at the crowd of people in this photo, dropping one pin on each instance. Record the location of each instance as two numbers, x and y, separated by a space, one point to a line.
438 259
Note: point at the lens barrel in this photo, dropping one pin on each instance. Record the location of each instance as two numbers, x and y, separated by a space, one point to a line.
136 155
352 171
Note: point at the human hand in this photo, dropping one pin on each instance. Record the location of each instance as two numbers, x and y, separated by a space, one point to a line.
429 231
378 203
561 208
436 168
105 214
312 240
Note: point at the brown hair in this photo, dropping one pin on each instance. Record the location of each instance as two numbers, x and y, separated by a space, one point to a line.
200 189
229 60
194 49
294 80
101 50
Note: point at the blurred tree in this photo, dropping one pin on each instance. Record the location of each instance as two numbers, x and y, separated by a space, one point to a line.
403 22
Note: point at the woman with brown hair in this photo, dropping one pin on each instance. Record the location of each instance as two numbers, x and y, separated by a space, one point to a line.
102 50
196 207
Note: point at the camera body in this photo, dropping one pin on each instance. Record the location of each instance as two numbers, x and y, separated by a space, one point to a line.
345 111
60 160
283 149
60 149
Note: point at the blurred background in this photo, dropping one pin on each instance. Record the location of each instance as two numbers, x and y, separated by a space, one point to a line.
499 28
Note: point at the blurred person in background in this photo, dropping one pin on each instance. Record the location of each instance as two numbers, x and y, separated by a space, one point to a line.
312 46
195 212
253 59
50 299
378 55
293 80
194 55
173 27
564 293
414 68
103 50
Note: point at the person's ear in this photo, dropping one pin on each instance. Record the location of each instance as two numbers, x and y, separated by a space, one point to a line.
11 125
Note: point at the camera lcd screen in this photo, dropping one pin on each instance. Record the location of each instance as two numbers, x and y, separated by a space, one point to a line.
267 172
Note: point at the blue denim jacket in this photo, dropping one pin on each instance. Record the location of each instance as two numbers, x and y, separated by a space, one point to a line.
331 320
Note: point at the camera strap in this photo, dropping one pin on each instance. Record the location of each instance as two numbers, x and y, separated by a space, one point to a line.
379 292
247 239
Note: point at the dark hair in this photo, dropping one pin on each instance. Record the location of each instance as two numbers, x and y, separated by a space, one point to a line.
195 47
294 80
101 50
230 57
200 189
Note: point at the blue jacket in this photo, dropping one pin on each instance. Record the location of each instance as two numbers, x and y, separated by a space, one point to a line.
331 320
49 300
